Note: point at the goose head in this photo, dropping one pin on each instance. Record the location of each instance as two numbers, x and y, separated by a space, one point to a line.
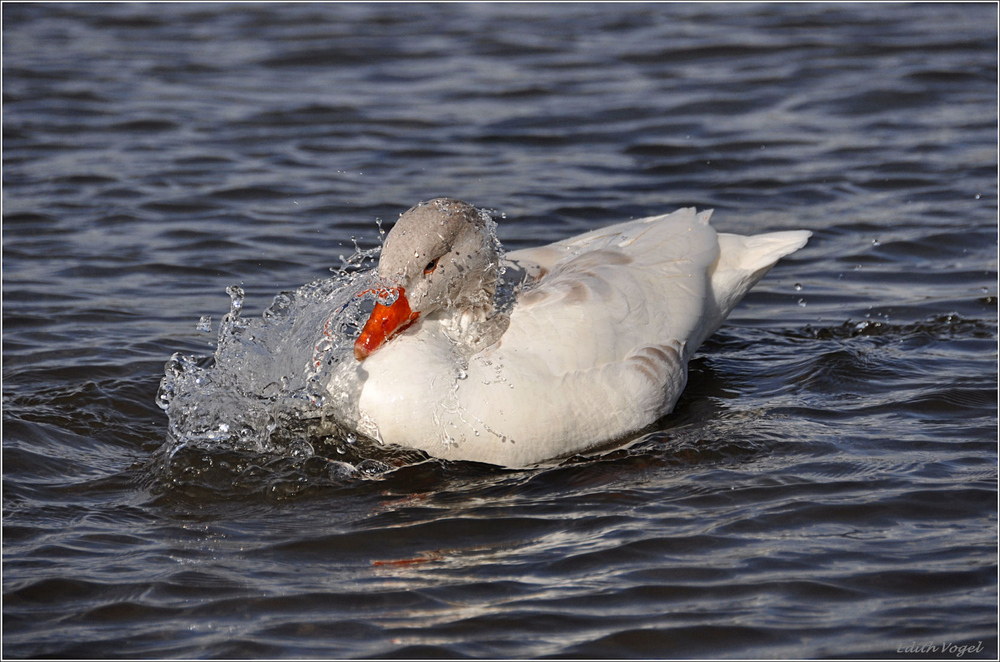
438 256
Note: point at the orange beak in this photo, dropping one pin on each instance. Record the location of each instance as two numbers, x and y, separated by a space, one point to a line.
383 324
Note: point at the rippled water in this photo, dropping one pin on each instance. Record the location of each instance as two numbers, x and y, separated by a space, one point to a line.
826 487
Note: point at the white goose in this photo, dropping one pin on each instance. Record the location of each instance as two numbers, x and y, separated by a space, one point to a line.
594 348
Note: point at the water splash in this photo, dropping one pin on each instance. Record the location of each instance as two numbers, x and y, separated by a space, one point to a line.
264 387
286 384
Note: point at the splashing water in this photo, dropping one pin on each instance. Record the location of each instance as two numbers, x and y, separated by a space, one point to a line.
277 384
273 412
266 383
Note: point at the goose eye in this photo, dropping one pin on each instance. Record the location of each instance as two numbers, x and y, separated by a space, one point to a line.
431 266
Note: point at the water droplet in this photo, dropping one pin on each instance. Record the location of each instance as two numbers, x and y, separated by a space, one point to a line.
876 242
978 195
235 293
798 287
302 449
802 303
205 324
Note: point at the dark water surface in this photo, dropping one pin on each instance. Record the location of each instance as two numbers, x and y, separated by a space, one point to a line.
826 487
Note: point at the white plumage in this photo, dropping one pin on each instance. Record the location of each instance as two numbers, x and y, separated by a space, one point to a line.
596 347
